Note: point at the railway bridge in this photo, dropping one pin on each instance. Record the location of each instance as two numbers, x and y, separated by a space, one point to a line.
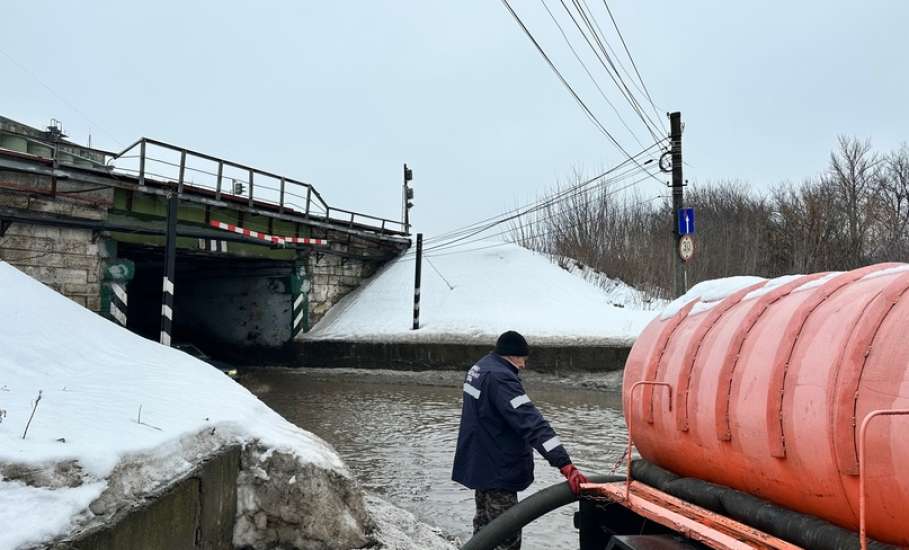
260 257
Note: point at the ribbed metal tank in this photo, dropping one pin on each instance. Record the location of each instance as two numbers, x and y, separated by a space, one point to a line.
770 384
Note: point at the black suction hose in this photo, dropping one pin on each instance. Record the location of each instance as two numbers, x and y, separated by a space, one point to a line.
540 503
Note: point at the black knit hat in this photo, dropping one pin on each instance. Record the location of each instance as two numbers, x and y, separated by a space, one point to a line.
512 343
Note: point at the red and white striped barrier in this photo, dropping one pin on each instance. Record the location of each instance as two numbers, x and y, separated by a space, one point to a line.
265 236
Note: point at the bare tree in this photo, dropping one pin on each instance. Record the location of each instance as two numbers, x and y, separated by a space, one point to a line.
892 207
854 172
856 212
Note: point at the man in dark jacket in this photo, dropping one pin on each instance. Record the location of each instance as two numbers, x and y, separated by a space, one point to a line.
500 427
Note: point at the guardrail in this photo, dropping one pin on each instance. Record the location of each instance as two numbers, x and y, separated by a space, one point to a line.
158 160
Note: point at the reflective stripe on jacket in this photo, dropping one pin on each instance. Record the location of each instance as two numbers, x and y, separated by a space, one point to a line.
499 428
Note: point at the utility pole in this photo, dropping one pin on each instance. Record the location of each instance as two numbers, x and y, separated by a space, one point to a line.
416 283
678 202
408 196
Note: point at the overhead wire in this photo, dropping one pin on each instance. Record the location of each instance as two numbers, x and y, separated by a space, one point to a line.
589 74
463 242
615 59
631 58
605 60
565 83
462 236
546 232
60 97
541 201
472 235
525 212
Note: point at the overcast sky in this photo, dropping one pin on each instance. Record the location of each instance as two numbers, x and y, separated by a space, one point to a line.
340 94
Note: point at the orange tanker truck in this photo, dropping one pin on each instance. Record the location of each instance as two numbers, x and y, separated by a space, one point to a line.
767 414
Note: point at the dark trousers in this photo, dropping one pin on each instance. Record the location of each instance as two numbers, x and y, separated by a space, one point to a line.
491 503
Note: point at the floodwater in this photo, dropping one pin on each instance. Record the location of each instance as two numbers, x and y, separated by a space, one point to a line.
398 437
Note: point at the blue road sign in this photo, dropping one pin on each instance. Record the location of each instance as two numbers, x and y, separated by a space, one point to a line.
686 221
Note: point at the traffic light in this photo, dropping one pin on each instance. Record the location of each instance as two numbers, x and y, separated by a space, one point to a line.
408 197
408 190
238 187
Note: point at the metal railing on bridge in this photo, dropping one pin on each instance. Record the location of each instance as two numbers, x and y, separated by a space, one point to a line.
153 160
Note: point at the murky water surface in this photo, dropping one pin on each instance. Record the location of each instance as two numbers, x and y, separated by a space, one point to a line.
398 437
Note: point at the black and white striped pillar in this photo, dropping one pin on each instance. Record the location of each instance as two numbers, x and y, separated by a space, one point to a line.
416 283
117 308
299 313
170 258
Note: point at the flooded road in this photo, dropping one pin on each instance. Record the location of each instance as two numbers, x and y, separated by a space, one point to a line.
398 436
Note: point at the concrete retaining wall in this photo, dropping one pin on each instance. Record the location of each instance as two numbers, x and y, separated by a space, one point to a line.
332 277
67 260
429 356
196 513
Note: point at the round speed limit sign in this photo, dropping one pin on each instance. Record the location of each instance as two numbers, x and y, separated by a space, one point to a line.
686 247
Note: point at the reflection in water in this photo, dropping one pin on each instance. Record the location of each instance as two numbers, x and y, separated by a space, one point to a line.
399 439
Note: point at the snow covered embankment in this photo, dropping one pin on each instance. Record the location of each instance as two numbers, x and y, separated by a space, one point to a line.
121 417
474 295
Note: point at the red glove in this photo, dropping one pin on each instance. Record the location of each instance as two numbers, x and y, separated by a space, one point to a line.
574 477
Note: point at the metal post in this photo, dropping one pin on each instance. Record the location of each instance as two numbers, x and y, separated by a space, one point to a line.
416 283
182 172
678 182
250 188
404 197
170 258
281 204
220 176
142 163
308 198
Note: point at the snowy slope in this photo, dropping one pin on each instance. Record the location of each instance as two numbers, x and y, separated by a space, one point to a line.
618 293
474 296
93 377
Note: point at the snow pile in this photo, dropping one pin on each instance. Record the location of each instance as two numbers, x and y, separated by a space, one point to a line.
474 295
398 529
709 292
617 292
90 451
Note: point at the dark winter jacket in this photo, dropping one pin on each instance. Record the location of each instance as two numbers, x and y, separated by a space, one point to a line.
500 427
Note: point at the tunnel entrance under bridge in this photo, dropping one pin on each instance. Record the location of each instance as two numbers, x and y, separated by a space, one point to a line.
241 310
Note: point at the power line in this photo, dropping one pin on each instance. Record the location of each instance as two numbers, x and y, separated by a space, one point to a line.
630 57
617 60
60 97
586 70
439 273
455 243
565 83
556 196
600 51
564 228
497 245
561 197
517 243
